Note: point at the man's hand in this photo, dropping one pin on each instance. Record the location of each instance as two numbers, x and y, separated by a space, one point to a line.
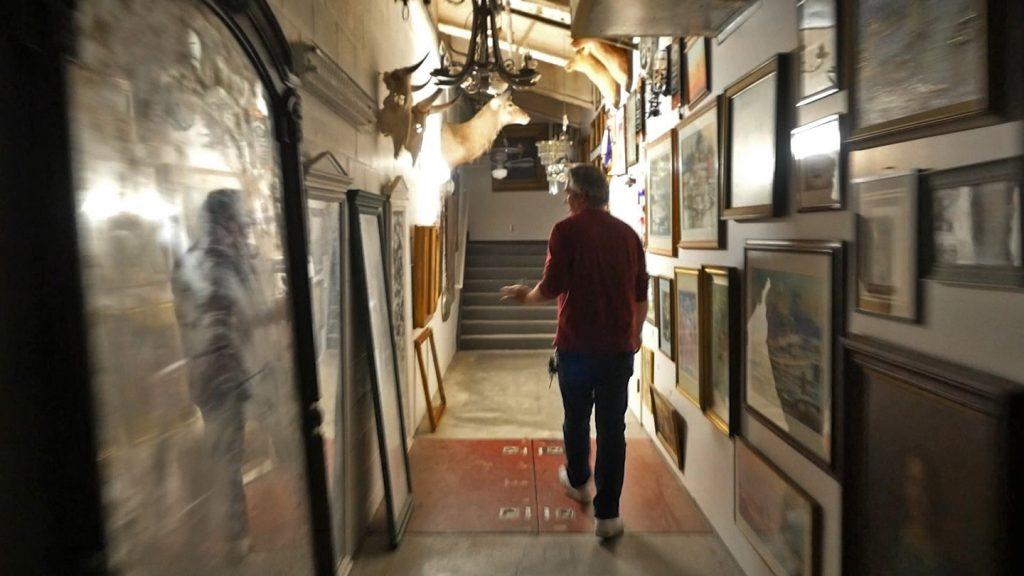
516 293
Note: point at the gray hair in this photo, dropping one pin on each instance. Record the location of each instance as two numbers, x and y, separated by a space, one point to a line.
589 182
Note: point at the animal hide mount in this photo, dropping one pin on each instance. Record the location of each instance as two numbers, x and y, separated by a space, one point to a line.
399 118
605 65
615 58
465 142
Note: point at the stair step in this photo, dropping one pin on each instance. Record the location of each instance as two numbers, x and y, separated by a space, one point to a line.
483 299
481 248
509 312
506 342
504 260
504 273
494 285
498 327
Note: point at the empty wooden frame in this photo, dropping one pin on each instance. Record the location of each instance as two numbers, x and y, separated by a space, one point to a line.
433 413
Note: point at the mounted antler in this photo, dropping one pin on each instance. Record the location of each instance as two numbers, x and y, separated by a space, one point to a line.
395 117
420 111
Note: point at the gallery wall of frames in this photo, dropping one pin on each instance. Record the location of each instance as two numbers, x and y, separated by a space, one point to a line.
830 196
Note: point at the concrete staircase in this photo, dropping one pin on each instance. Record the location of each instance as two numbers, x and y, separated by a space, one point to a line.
488 324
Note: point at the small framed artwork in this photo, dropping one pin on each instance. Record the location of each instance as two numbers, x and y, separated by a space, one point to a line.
688 333
652 301
781 521
646 379
676 70
666 317
794 316
973 231
722 348
629 137
662 204
669 427
819 164
698 69
700 222
887 236
819 50
755 139
617 135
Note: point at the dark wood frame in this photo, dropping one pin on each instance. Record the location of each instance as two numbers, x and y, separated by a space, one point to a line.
660 141
962 116
840 59
693 99
671 354
434 414
719 241
537 132
675 449
778 65
640 122
966 388
702 332
842 159
816 513
834 249
916 217
732 427
674 83
1005 277
54 486
360 203
630 141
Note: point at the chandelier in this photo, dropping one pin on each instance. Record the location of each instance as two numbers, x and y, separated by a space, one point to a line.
554 155
485 69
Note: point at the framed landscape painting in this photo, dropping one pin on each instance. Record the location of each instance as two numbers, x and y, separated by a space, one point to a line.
700 223
887 224
698 70
722 348
688 333
666 317
974 222
781 521
755 135
662 206
819 164
819 50
793 316
923 67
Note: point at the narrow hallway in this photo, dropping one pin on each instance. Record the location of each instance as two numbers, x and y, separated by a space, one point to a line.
488 500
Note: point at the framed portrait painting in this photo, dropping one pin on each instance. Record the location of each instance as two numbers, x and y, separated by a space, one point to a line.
722 348
887 234
689 333
662 206
698 69
819 164
781 521
697 155
793 316
666 317
819 51
974 220
755 160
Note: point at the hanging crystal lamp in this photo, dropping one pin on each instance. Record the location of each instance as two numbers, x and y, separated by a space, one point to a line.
555 155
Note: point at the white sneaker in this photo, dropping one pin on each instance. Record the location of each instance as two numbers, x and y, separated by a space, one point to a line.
581 494
608 527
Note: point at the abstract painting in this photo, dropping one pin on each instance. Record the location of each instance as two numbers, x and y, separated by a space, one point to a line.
792 316
781 521
697 154
887 246
665 317
698 83
662 212
721 395
689 317
819 70
819 164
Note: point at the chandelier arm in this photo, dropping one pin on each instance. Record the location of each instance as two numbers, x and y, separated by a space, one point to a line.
456 79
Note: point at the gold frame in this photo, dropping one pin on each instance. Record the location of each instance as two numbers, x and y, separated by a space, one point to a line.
702 330
433 414
674 240
732 277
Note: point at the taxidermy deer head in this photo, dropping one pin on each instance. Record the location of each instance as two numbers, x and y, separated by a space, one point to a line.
420 111
584 61
395 117
616 59
465 142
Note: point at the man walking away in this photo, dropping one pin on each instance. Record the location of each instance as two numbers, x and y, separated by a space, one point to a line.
595 267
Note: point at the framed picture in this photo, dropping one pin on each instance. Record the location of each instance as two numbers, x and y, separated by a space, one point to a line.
639 122
367 216
617 134
937 447
924 69
523 175
676 70
669 427
887 235
652 300
781 521
666 317
662 204
646 379
973 231
755 161
819 164
819 50
793 316
689 303
629 137
697 153
721 392
698 69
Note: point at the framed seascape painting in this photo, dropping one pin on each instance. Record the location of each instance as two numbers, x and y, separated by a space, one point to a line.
819 50
923 67
755 135
666 317
700 223
722 349
652 301
937 447
688 333
793 314
698 70
973 231
781 521
662 207
819 164
887 220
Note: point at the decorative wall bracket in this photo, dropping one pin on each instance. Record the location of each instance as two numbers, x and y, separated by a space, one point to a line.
327 80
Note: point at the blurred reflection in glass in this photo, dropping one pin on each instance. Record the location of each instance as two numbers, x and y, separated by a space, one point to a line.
181 235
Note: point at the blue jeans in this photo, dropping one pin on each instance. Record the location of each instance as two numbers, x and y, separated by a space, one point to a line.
600 381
